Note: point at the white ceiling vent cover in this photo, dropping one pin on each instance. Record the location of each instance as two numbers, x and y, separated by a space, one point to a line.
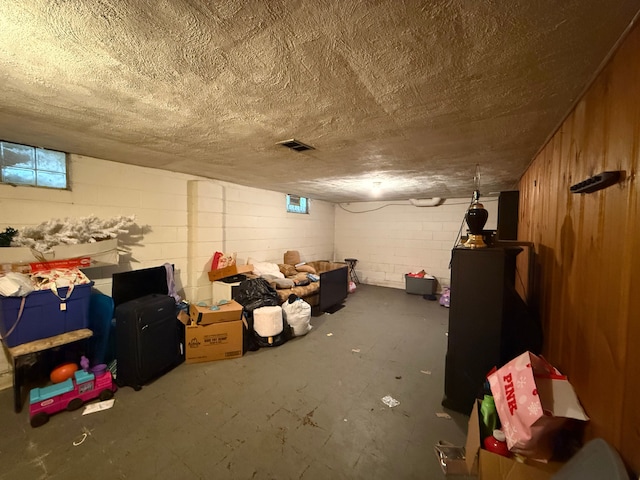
296 145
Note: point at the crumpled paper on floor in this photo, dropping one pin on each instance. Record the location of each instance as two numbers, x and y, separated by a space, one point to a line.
390 401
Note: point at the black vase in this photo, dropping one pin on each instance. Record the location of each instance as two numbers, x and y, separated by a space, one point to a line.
476 218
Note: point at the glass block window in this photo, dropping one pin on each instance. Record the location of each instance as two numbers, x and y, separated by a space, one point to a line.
297 204
38 167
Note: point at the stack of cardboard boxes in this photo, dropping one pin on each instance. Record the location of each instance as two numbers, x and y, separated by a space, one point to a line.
213 334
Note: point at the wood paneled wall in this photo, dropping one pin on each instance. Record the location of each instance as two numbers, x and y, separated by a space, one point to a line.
588 250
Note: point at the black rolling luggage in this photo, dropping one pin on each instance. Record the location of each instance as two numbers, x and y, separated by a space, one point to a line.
148 342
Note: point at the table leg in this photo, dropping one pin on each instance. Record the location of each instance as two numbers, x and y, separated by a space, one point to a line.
351 262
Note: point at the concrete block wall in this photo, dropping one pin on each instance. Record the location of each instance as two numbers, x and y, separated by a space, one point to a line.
157 199
253 224
180 219
258 228
390 239
205 235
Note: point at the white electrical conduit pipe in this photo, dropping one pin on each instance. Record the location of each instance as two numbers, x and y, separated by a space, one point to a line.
425 202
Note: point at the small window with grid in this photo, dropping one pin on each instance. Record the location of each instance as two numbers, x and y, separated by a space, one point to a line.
297 204
37 167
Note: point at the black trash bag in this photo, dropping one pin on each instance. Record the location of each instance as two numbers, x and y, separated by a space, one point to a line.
249 343
255 293
283 337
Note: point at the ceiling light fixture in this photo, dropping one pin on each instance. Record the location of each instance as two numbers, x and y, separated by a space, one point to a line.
425 202
377 188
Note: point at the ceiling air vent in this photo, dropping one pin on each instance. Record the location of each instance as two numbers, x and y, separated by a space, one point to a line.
294 144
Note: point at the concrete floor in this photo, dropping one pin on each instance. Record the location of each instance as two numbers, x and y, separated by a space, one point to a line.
309 409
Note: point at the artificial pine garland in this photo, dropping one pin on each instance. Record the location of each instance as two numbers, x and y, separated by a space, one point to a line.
71 231
7 236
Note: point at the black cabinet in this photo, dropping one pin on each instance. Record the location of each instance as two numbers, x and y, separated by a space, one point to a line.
488 322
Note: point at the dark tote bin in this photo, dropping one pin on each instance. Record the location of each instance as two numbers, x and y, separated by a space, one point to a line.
44 314
420 286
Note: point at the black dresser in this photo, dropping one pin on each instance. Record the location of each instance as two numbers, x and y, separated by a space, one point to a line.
489 324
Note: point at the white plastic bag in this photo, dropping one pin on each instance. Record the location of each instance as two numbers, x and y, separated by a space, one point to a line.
298 315
14 284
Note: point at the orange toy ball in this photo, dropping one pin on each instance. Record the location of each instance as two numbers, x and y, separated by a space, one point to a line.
63 372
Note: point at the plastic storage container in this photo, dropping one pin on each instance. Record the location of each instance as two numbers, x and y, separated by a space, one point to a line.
420 286
44 314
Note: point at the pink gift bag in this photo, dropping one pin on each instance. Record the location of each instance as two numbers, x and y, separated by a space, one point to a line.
534 401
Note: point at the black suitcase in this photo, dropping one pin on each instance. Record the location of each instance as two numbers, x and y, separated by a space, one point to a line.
148 339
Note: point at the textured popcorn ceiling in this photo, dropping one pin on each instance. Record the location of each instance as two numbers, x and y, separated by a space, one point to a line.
411 94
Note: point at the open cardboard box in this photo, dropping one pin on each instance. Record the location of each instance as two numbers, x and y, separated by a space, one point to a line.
490 466
213 341
229 272
225 313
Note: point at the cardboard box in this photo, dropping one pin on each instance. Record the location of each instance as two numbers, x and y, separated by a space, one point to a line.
229 272
490 466
205 316
420 285
101 253
216 341
451 458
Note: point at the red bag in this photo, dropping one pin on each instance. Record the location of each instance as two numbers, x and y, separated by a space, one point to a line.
534 401
215 260
222 260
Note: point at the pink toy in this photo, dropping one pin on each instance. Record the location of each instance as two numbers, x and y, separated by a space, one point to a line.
70 395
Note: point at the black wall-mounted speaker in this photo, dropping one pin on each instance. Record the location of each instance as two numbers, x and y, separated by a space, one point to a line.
508 203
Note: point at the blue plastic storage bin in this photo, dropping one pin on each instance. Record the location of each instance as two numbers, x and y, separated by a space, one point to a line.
44 315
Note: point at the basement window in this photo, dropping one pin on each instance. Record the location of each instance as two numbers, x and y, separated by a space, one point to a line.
297 204
37 167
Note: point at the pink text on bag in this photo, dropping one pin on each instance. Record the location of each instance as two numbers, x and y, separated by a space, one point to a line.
510 393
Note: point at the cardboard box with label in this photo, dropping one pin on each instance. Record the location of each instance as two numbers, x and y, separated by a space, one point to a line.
101 254
490 466
216 341
213 334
